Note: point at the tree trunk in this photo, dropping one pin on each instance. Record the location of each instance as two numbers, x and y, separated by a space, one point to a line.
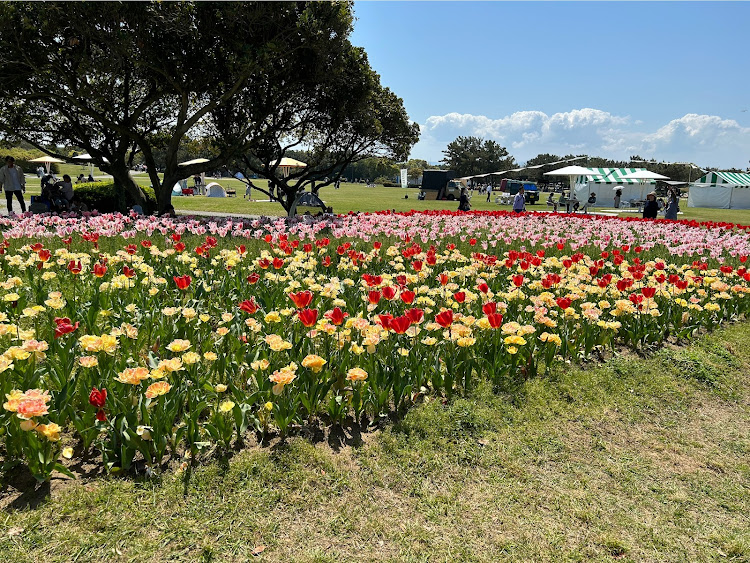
164 193
126 185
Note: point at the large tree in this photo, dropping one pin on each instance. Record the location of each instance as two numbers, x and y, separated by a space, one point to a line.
468 156
257 78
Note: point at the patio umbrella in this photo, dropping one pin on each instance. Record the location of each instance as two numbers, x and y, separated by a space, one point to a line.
196 161
572 172
86 157
642 176
47 161
286 164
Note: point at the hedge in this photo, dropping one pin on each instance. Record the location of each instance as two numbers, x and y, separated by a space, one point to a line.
23 156
106 197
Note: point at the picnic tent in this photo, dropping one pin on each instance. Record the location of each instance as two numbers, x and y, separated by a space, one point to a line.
721 190
215 190
604 181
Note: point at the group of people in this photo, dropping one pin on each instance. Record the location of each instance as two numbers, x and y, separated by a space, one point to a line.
671 206
81 179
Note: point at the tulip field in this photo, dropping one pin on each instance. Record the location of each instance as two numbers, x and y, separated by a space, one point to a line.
144 340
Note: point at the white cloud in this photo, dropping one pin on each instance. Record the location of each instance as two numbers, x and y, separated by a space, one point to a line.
704 139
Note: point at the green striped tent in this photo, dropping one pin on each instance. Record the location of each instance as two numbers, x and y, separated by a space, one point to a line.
737 179
614 176
721 190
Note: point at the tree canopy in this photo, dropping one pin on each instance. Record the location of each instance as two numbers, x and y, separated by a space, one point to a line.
259 79
468 156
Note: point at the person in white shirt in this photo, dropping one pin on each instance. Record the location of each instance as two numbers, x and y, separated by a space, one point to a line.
13 181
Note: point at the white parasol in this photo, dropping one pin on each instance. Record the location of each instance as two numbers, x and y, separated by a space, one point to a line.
197 161
642 176
47 161
86 157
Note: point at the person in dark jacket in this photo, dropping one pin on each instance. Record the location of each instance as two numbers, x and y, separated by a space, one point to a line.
463 202
651 209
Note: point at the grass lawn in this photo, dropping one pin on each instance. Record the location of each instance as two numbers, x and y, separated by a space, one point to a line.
358 197
634 459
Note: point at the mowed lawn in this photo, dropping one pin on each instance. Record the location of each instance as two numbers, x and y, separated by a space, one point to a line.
632 459
358 197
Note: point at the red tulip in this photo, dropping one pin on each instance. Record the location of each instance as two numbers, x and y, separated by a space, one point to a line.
484 288
97 397
179 247
443 279
563 302
460 296
373 297
648 292
400 325
75 267
489 308
389 292
249 306
415 315
385 320
176 237
407 296
518 280
146 243
101 416
336 316
417 265
99 270
635 298
131 249
326 261
253 278
495 320
44 255
308 317
444 318
128 272
183 282
302 299
278 263
63 326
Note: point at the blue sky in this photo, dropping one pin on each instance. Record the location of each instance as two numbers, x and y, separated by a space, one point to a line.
666 80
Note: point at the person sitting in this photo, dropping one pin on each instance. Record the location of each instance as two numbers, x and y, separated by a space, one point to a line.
421 195
589 202
66 188
80 179
90 179
551 202
463 202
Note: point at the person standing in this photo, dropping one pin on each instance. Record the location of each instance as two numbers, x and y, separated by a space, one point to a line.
618 196
673 204
489 192
519 202
13 181
651 209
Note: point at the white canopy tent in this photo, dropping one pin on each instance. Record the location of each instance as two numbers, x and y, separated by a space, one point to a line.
721 190
604 182
573 173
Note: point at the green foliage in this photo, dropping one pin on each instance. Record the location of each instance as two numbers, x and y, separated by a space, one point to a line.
23 157
471 155
106 197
